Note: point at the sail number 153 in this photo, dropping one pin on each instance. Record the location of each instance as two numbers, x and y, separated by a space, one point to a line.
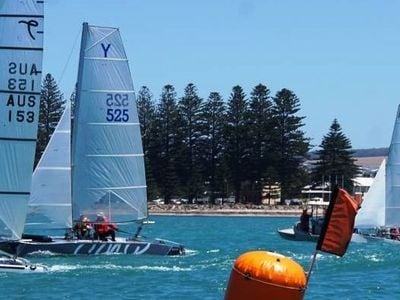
117 110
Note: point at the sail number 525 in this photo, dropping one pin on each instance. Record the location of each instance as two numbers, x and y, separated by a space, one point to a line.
118 108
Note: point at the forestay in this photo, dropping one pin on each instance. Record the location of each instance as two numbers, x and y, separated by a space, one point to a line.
107 157
51 181
21 47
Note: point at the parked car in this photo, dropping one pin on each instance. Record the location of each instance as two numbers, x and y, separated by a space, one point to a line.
158 201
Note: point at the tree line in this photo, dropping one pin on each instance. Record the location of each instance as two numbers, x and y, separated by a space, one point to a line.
215 148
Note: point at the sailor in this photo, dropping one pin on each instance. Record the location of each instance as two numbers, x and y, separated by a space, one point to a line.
83 228
104 228
394 233
305 221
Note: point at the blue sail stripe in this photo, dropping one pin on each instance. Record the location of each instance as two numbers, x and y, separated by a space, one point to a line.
119 188
14 193
21 16
19 92
108 91
17 139
21 48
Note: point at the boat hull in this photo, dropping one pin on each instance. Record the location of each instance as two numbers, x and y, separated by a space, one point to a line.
297 235
373 238
62 246
16 265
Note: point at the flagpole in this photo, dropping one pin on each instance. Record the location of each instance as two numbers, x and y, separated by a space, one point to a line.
314 258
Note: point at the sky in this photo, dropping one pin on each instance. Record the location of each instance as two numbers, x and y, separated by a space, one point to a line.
341 58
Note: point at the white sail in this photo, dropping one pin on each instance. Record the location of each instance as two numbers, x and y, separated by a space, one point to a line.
21 51
392 215
372 212
51 181
107 157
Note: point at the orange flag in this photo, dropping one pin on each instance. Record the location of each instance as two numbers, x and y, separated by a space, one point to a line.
339 223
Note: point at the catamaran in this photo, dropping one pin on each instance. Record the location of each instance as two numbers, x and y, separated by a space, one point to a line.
379 216
21 52
106 172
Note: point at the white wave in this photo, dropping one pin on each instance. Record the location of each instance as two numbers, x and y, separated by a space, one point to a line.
164 268
63 268
374 258
41 253
213 251
189 252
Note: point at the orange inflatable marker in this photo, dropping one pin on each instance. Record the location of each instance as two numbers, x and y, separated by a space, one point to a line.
266 275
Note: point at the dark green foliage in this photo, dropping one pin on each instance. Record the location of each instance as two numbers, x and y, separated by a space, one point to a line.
212 158
237 140
260 142
336 163
147 117
289 143
51 109
198 149
167 142
189 166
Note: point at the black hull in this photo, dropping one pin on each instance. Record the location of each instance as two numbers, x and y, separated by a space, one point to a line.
62 246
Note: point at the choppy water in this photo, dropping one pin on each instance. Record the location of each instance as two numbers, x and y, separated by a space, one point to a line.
367 271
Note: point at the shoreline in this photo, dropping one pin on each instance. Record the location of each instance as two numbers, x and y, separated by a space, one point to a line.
235 210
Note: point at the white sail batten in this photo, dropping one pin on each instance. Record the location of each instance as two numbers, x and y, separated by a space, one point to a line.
21 52
107 161
392 207
372 213
51 181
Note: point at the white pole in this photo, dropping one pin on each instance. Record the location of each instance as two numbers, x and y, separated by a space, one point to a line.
109 205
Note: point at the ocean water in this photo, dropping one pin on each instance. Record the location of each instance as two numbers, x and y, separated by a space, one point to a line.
367 271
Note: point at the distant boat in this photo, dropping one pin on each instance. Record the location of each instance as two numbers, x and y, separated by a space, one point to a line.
379 216
21 52
11 264
107 163
296 233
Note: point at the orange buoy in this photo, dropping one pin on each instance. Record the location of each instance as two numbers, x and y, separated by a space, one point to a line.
266 275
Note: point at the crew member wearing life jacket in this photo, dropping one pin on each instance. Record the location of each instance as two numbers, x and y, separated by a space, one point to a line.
104 228
83 228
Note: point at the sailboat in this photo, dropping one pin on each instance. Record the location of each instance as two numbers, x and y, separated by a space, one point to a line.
379 216
21 52
106 172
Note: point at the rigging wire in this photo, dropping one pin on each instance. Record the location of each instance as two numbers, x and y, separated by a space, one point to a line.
69 57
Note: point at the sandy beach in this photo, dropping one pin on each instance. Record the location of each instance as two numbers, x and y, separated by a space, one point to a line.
223 210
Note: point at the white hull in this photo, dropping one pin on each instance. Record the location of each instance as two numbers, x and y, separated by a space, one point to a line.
11 265
365 238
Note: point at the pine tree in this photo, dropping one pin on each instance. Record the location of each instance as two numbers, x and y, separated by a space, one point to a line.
214 122
167 141
147 115
51 109
188 166
335 163
289 143
236 139
260 121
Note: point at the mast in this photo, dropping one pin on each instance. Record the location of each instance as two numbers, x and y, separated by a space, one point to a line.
85 28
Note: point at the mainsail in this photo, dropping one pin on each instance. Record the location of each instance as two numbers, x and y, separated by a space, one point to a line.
21 51
107 157
372 212
392 207
51 181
